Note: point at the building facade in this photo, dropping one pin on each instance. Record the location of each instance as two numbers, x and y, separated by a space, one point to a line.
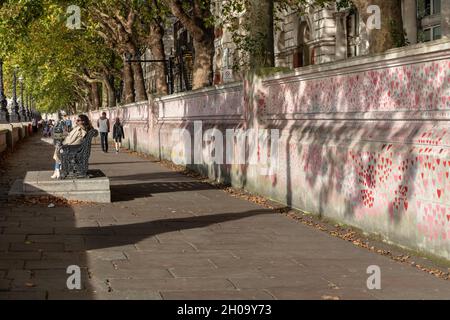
326 35
317 36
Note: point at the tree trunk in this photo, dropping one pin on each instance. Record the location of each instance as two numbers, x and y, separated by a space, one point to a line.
203 39
95 96
104 95
111 91
203 62
261 28
86 107
139 82
391 34
156 45
73 108
128 84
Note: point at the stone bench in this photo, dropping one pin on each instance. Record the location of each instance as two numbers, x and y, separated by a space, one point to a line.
94 188
75 158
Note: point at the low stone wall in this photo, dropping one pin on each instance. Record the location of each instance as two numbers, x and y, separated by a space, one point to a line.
19 132
3 136
14 133
364 141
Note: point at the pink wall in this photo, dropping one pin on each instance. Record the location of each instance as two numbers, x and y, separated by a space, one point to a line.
364 141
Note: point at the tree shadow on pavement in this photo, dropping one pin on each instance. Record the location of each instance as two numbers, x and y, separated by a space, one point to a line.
146 230
128 192
38 243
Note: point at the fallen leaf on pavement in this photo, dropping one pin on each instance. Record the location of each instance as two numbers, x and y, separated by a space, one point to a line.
330 298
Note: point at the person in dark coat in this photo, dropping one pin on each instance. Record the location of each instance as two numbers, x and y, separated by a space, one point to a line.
74 138
118 134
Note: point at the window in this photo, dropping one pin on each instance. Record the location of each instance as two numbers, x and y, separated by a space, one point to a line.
432 33
429 19
437 34
436 7
352 25
428 7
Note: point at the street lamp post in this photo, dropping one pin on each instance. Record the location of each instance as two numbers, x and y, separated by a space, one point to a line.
23 112
4 115
35 114
28 109
15 116
32 109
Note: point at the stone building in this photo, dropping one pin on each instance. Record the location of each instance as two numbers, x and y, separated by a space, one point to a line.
326 34
321 35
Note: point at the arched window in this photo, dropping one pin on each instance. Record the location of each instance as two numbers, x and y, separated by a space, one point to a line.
302 57
352 30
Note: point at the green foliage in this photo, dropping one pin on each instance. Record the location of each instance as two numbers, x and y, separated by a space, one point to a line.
344 4
55 60
421 9
49 56
399 38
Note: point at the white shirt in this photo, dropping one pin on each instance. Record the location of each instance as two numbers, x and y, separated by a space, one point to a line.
103 125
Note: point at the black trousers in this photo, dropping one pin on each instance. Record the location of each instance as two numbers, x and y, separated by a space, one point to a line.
104 139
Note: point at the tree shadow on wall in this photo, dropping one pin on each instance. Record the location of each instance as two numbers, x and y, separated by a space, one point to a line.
364 159
345 151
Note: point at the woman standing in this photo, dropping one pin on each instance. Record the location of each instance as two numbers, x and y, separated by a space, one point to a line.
75 137
118 134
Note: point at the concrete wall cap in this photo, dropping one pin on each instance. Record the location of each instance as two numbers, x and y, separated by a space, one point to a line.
423 52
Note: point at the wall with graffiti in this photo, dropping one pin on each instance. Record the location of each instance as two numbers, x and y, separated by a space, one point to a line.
365 141
368 147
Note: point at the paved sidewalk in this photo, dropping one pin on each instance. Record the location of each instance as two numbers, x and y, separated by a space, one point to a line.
167 236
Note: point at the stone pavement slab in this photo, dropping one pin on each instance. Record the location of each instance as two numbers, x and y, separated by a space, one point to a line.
168 236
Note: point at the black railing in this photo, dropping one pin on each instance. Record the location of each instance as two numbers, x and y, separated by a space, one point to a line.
18 112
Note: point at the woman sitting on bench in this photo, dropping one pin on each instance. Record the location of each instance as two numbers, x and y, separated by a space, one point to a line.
75 137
